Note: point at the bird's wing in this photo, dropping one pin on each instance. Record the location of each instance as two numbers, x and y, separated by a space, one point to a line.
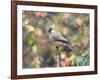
58 37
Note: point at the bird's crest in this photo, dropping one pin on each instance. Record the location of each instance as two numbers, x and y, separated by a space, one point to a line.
50 28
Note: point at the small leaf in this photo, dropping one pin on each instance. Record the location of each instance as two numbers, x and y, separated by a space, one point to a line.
30 40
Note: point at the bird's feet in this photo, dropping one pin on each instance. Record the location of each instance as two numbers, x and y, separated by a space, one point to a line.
57 47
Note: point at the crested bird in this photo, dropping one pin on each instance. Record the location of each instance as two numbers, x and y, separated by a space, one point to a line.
56 36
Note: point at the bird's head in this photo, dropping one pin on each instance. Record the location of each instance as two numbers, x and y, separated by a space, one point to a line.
49 30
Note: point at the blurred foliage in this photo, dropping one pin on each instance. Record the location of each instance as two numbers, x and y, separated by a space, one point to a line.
39 51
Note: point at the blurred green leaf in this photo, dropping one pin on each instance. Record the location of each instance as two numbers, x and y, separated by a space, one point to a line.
30 40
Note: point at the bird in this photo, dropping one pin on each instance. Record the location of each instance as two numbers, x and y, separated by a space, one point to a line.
56 36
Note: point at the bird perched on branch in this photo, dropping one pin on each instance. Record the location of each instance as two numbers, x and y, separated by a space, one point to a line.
56 36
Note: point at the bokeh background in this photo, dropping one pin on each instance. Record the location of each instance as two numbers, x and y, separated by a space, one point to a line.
39 51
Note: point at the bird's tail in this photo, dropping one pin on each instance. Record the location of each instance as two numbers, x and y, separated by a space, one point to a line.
70 47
